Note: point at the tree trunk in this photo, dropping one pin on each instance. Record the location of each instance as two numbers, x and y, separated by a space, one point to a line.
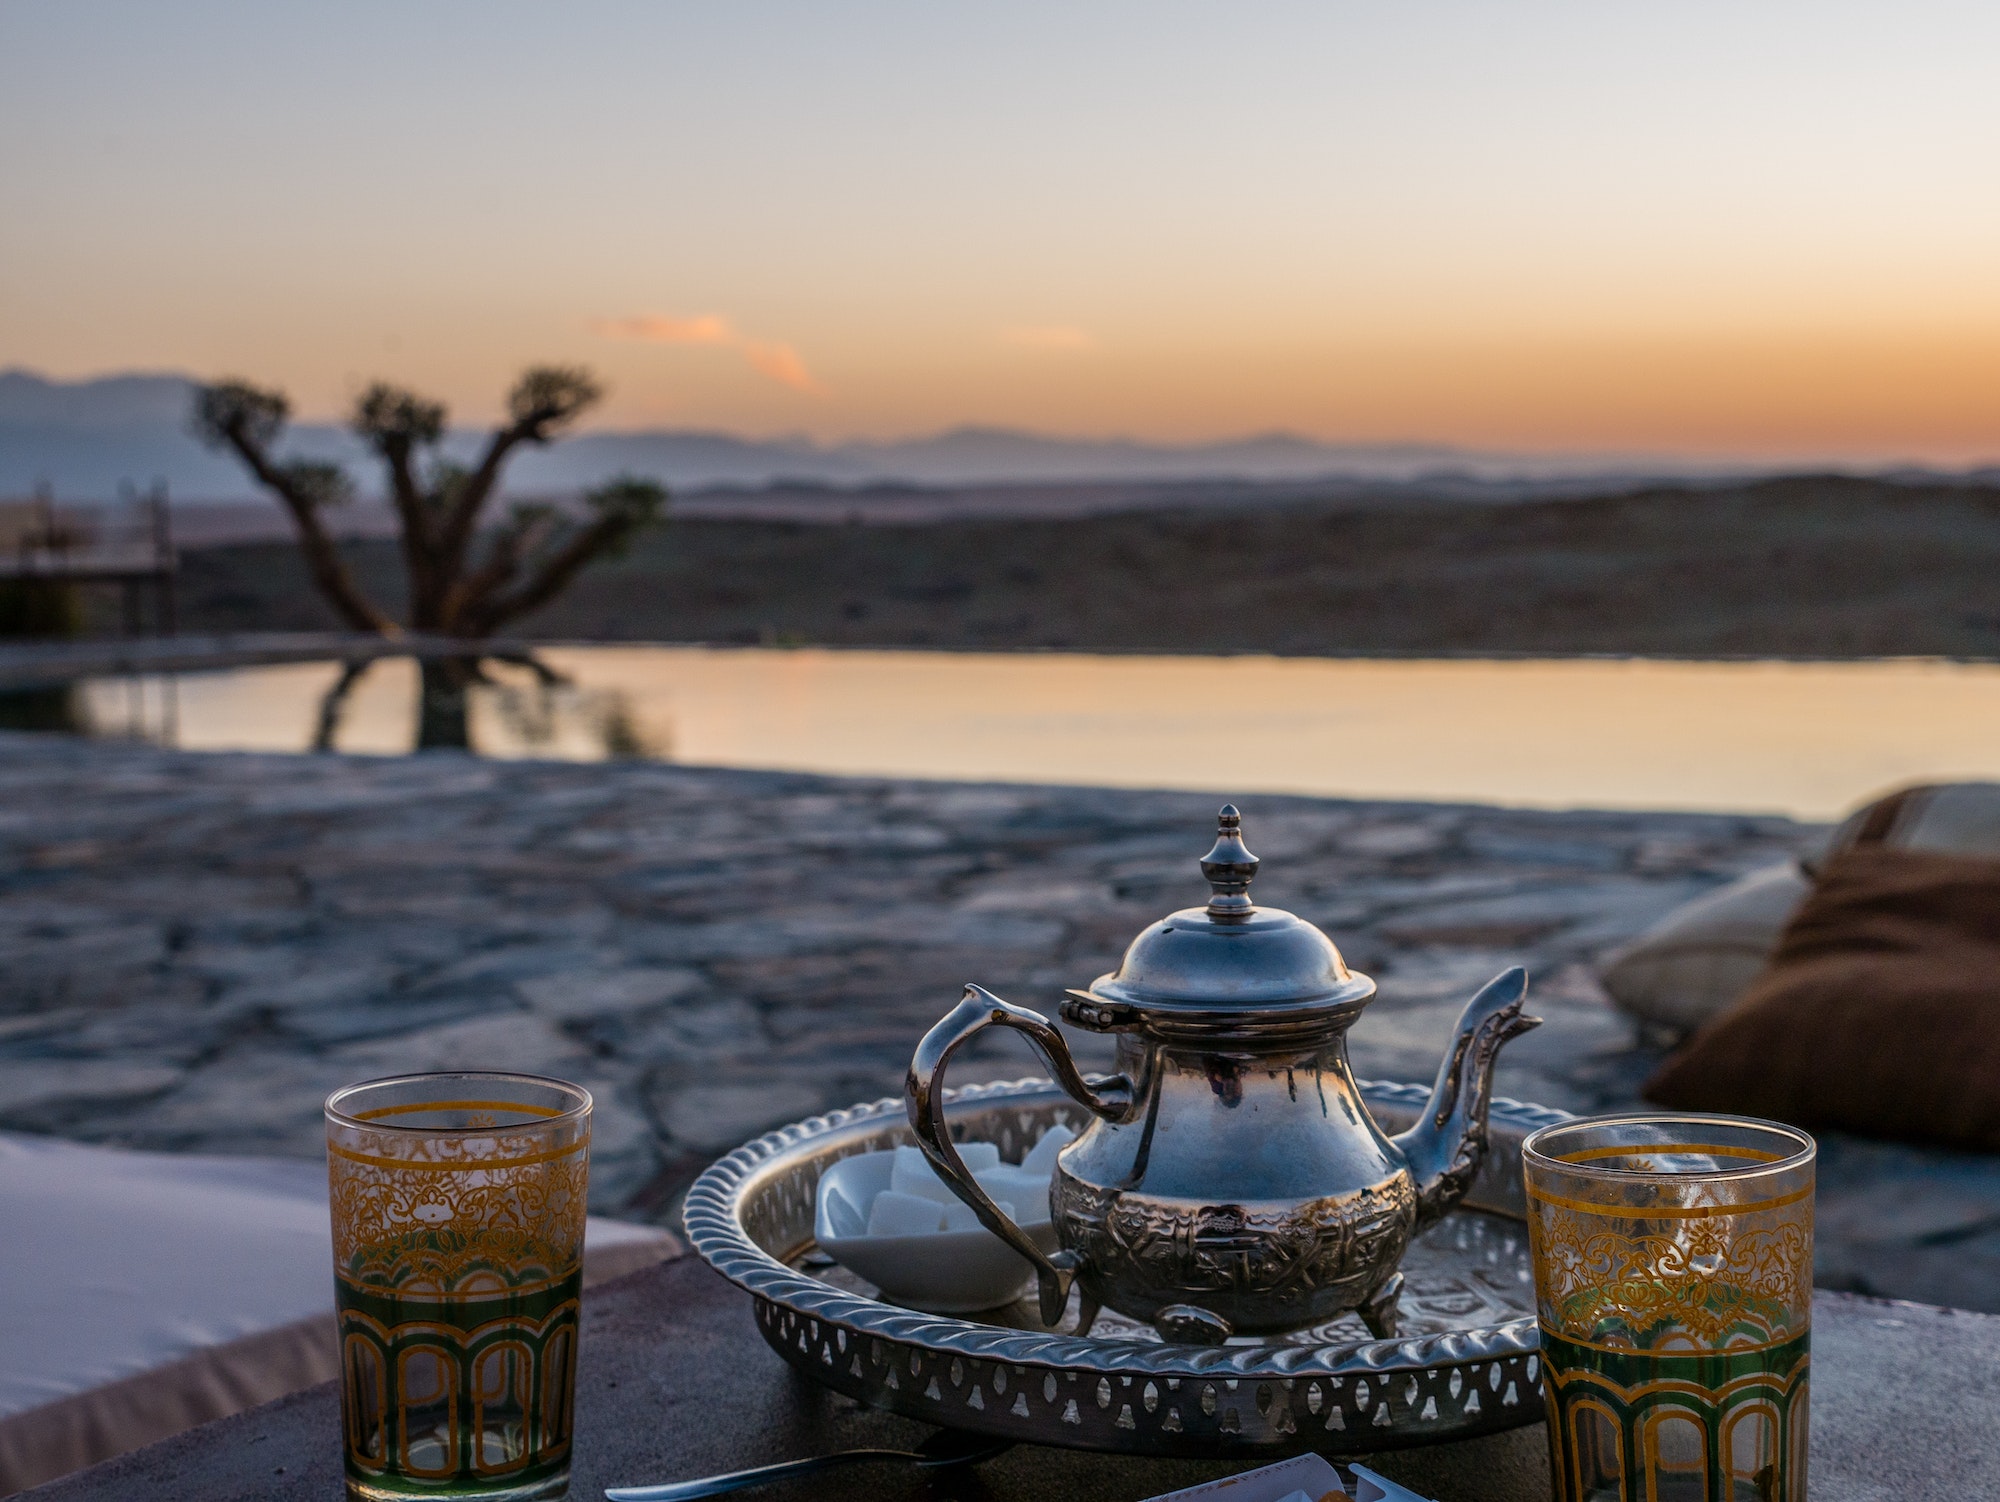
441 709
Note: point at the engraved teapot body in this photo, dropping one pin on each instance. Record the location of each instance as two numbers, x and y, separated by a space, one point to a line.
1232 1180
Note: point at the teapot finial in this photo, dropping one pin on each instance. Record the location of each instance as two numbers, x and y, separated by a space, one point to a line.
1229 866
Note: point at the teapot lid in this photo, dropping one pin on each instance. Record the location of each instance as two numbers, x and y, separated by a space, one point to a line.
1230 957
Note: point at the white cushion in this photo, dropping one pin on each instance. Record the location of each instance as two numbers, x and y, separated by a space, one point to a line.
114 1262
1697 960
1960 818
1700 957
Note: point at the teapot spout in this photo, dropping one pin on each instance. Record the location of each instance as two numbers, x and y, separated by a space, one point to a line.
1448 1143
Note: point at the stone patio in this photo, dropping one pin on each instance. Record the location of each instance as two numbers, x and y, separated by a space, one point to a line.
194 949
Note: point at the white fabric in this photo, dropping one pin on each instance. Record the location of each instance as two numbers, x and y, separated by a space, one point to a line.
114 1262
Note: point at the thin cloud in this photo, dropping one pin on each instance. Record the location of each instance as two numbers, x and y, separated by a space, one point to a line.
770 358
1049 336
657 328
781 363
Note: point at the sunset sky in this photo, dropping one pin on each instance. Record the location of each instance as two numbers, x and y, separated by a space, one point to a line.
1700 228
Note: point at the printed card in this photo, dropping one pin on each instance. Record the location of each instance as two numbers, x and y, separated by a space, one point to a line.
1303 1478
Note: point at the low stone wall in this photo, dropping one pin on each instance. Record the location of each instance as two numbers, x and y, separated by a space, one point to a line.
195 949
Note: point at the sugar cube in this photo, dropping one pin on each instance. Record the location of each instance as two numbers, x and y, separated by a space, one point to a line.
912 1172
1028 1190
898 1214
958 1215
1041 1158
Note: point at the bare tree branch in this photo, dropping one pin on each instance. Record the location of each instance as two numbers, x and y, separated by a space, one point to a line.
526 562
525 531
242 417
622 507
547 399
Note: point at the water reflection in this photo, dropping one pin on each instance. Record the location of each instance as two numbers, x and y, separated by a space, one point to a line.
542 718
304 707
1803 738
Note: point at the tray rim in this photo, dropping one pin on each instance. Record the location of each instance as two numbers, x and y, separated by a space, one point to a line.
712 1216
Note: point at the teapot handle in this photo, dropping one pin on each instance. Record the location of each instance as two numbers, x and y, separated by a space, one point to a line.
923 1094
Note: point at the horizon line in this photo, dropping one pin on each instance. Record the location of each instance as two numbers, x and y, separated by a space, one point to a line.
1444 449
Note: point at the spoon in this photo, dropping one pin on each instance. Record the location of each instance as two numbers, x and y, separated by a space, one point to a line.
938 1450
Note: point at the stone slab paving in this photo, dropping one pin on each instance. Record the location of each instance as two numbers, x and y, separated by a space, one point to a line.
194 949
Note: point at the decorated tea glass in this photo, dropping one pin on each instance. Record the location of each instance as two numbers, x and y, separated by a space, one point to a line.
1673 1279
458 1210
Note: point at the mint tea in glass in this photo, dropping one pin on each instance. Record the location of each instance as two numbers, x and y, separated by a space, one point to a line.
458 1212
1673 1261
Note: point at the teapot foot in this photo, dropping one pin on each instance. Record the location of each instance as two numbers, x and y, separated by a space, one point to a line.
1380 1311
1192 1325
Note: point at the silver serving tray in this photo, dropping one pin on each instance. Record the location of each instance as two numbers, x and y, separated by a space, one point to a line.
1466 1365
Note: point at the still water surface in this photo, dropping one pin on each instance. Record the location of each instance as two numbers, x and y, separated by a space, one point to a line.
1808 739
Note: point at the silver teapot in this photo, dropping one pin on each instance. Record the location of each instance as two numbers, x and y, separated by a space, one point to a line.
1232 1181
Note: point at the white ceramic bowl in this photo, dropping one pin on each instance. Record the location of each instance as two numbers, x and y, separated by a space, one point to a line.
958 1271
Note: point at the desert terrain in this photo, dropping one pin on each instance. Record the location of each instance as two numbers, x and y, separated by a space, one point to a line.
1811 566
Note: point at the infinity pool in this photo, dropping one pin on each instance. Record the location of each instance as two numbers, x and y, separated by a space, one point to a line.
1808 739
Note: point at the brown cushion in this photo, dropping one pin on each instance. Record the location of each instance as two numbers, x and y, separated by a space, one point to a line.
1879 1012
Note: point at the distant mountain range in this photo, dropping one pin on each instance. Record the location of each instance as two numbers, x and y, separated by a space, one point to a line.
86 438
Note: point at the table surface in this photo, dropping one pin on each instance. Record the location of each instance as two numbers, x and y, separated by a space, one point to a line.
675 1382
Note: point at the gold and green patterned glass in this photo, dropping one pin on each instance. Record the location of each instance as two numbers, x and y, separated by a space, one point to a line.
458 1206
1673 1279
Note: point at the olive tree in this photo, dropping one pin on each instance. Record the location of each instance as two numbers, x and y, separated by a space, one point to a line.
468 575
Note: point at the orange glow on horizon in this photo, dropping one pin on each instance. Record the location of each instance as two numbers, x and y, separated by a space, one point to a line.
1710 230
1875 396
